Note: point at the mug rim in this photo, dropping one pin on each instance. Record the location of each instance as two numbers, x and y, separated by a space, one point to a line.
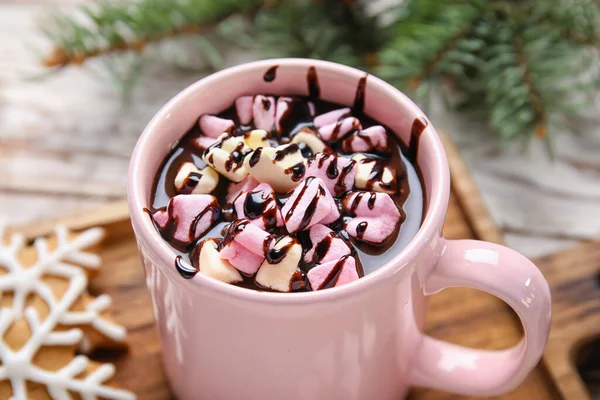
437 196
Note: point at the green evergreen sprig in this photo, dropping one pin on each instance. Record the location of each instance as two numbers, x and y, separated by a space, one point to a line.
528 64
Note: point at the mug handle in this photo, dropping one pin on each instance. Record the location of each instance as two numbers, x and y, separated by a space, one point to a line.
507 275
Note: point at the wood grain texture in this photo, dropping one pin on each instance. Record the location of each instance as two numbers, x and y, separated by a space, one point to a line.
464 316
574 278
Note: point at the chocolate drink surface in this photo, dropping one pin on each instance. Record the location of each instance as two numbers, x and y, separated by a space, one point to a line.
287 193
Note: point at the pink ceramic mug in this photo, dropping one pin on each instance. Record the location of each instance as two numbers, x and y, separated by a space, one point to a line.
363 340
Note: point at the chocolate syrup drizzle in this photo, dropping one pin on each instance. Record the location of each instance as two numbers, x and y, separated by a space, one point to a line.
312 80
273 254
271 74
190 182
184 270
418 126
259 205
334 275
310 209
359 97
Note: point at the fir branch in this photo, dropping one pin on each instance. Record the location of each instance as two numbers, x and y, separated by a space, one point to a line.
539 113
110 27
526 64
579 20
431 64
329 29
427 34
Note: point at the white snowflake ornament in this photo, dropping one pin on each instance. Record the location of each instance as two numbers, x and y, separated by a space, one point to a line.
46 314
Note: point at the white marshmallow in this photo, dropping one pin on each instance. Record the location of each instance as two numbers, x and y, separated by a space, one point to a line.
256 138
211 264
191 180
365 166
309 138
278 276
227 157
282 167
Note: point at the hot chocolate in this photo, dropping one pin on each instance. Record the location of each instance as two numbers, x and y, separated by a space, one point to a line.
288 193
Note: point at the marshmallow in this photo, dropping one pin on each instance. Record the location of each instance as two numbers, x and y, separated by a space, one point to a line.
310 204
338 173
211 264
372 174
190 179
326 246
263 111
373 138
375 216
243 108
204 142
280 265
311 142
260 207
236 189
331 117
213 126
281 167
243 246
256 138
333 273
227 157
187 217
340 129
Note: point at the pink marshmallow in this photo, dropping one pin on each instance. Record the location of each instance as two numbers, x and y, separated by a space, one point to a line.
331 117
338 130
214 127
243 108
236 189
337 172
326 246
376 216
248 235
263 110
283 104
191 214
204 142
373 138
241 258
309 204
265 204
333 273
243 246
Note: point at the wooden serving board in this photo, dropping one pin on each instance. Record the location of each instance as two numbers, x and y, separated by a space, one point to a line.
463 316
